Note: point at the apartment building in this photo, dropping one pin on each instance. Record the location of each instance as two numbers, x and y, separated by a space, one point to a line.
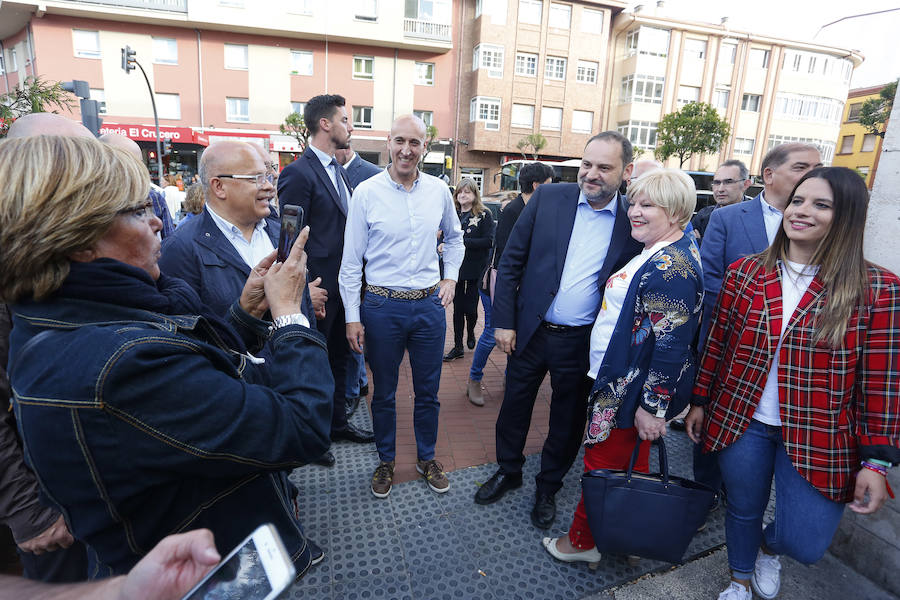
234 69
857 148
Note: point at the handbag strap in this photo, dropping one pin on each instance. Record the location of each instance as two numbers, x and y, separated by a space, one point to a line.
661 454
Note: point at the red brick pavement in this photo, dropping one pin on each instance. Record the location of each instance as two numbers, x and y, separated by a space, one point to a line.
465 431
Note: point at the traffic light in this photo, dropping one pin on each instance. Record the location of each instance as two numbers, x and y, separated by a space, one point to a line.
166 147
128 59
78 87
90 116
151 154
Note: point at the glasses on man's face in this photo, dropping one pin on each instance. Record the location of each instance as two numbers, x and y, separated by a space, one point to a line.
260 179
143 212
717 182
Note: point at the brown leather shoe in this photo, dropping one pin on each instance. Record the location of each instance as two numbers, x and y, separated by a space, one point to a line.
383 479
474 393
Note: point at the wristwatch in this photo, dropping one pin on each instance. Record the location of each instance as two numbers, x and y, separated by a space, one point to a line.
285 320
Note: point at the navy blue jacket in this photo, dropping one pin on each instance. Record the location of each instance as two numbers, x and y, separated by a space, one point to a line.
359 170
532 263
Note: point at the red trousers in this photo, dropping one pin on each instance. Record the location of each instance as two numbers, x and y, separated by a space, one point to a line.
613 453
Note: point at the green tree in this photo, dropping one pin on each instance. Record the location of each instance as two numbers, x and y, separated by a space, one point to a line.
431 134
535 142
295 126
695 129
874 112
35 95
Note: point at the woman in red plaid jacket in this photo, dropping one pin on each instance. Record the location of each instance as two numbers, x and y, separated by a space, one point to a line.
799 380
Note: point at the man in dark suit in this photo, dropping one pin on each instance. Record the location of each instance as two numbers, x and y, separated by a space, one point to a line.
317 183
564 246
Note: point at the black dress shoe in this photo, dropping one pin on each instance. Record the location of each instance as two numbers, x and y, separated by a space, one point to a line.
494 488
352 433
326 460
470 341
364 390
454 353
350 405
544 512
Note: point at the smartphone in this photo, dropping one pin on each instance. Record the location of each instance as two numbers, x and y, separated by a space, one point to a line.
258 569
291 224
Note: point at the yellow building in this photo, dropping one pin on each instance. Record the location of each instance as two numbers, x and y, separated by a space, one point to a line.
856 147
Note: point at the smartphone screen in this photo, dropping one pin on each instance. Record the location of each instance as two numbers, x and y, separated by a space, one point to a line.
291 223
258 569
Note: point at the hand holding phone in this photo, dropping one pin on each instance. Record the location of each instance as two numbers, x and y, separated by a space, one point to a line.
291 224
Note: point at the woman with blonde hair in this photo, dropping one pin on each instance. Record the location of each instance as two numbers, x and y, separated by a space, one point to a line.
193 203
478 237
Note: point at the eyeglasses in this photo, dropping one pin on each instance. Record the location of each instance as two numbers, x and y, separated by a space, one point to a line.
260 179
716 182
144 211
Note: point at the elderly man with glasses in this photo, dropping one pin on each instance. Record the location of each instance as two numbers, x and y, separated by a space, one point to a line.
729 183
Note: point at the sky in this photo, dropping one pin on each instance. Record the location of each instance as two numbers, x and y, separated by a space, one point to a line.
874 36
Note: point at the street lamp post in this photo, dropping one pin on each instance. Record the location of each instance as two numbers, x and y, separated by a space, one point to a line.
128 63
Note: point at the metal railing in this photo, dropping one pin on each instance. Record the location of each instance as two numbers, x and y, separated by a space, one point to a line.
417 28
168 5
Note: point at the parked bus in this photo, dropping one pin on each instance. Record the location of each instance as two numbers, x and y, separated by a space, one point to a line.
565 171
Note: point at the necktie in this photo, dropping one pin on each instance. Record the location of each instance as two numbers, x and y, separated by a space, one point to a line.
339 184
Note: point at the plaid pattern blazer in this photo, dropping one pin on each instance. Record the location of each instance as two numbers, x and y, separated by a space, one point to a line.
837 404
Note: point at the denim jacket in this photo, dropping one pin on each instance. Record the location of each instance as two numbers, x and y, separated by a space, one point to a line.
139 424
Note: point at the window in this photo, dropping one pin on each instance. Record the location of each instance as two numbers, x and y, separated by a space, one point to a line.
363 67
165 51
720 98
168 106
236 56
100 97
729 53
688 93
530 11
298 107
477 175
744 145
751 102
695 49
586 72
237 110
795 61
551 118
362 117
853 115
640 133
367 10
13 60
555 68
86 43
812 64
2 64
826 148
582 121
591 21
868 143
526 64
434 11
847 144
649 41
522 115
759 58
424 73
863 172
642 88
495 9
426 115
560 15
490 57
301 62
801 107
483 108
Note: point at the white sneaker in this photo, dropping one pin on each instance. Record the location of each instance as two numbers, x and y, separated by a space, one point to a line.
766 578
736 591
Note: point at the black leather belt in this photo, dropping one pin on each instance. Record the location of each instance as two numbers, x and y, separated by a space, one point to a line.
561 328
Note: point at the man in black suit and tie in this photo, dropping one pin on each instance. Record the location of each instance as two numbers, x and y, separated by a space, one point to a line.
319 184
550 283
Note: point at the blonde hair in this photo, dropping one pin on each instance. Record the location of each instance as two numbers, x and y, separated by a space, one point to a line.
59 195
670 189
467 183
193 199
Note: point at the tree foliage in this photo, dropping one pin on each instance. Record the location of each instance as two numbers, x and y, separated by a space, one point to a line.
695 129
535 142
431 134
34 95
874 112
295 126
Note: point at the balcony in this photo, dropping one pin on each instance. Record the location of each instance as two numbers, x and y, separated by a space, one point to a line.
426 30
166 5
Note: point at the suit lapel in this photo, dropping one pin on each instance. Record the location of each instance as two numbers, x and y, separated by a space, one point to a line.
621 234
210 236
316 165
754 224
565 222
807 302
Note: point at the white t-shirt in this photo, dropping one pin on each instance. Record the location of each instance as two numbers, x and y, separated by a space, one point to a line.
795 278
611 307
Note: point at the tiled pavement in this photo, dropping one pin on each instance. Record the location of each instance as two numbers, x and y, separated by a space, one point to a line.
424 546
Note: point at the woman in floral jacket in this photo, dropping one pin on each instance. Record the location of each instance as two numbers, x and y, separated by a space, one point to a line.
641 357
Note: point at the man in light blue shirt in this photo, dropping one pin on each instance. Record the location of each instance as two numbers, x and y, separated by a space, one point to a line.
390 237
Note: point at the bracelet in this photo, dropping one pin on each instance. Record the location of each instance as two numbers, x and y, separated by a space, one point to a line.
881 471
878 461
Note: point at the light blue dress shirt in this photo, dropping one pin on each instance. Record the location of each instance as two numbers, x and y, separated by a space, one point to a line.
395 231
772 217
578 298
259 246
325 159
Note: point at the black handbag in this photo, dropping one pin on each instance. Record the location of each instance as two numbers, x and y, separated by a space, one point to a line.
649 515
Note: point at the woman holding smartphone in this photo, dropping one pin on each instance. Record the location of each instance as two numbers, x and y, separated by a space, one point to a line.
798 381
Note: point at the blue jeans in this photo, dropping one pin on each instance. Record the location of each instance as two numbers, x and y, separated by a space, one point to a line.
805 520
485 342
393 326
356 374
